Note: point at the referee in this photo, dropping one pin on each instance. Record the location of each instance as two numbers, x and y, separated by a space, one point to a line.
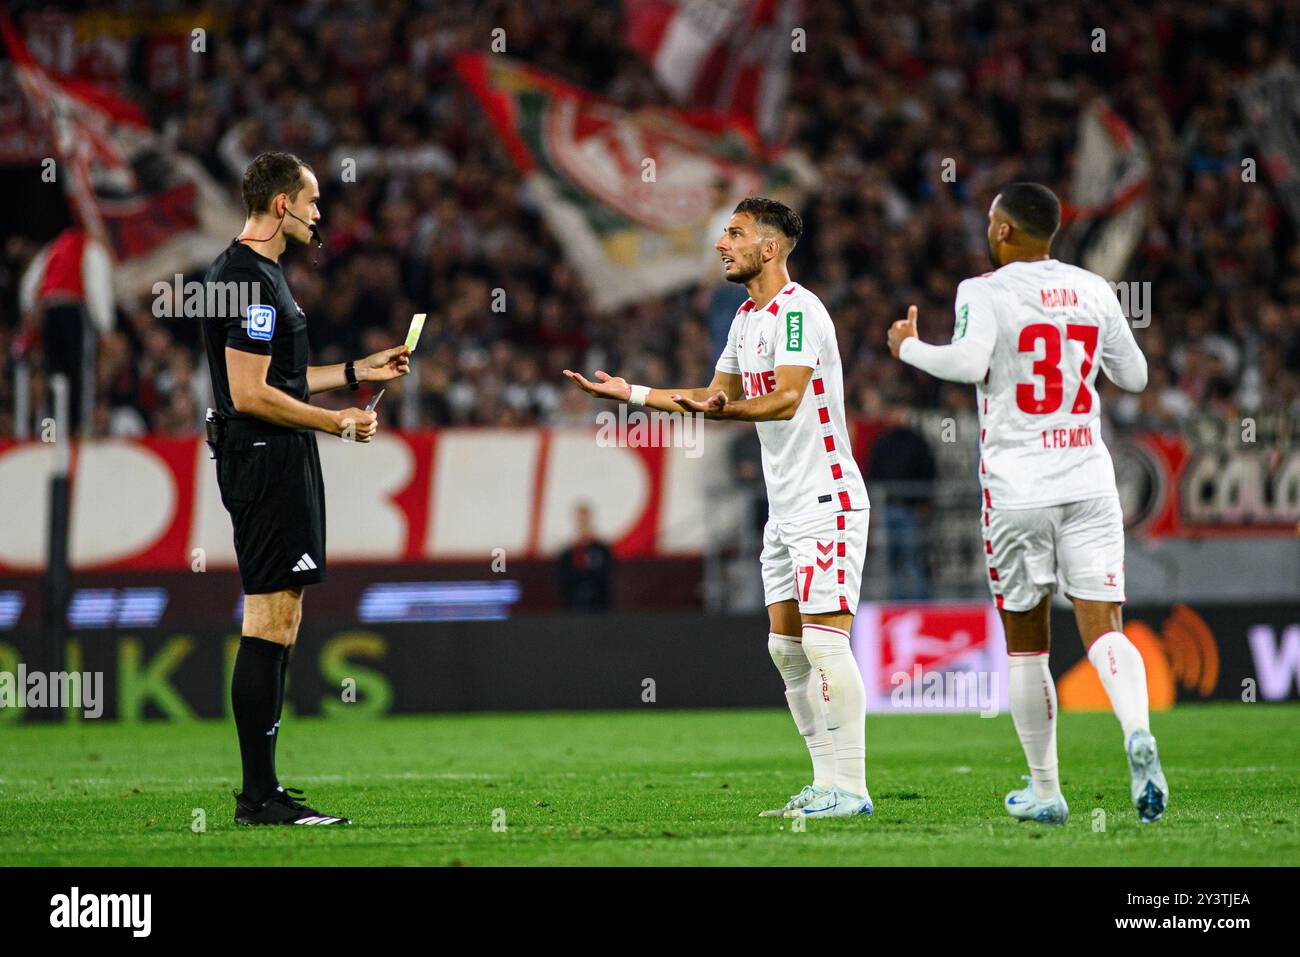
268 469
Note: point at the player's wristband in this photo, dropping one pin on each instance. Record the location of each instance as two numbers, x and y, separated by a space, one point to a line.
350 374
639 394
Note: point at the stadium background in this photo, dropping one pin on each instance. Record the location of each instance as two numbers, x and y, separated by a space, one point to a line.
891 128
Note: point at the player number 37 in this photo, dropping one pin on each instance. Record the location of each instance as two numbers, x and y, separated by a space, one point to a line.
1048 368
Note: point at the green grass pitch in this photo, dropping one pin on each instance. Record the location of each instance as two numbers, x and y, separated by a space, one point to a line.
645 787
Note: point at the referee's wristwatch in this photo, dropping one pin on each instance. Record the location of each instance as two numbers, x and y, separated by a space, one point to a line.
350 373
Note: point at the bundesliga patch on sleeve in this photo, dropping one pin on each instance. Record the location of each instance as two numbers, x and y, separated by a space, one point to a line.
962 315
793 331
261 322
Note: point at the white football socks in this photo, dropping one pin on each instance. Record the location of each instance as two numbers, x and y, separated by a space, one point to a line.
836 685
787 654
1124 676
1032 695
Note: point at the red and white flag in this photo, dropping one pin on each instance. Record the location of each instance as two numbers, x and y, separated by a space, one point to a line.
1105 216
726 55
635 197
156 210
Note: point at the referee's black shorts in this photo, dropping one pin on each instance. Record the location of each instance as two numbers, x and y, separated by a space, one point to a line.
271 484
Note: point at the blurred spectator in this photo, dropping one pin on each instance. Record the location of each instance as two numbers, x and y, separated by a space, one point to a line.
586 567
902 468
68 285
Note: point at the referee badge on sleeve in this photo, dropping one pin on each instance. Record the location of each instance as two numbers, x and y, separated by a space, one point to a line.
261 322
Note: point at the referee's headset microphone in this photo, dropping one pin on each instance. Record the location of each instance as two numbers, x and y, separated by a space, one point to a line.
315 233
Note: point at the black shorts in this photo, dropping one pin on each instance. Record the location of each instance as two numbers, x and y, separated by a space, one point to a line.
271 485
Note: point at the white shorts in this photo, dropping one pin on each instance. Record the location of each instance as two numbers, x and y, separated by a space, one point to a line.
817 561
1079 543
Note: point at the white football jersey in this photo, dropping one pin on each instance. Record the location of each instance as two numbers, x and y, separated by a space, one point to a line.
1041 330
808 461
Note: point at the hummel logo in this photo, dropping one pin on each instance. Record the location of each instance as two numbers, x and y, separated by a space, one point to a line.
305 564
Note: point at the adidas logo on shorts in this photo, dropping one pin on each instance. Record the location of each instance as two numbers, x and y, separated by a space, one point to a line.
305 563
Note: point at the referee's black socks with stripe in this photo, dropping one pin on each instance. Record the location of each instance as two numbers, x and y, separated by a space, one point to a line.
256 697
279 704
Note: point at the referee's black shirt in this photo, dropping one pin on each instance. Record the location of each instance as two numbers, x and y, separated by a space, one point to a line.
274 327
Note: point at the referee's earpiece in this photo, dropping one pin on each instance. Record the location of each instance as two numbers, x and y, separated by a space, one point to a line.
284 210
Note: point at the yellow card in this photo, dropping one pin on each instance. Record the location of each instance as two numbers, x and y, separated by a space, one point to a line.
413 334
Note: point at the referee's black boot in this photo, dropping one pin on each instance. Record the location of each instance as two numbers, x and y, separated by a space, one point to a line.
285 806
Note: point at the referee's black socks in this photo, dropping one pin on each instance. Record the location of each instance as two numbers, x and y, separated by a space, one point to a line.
279 704
256 697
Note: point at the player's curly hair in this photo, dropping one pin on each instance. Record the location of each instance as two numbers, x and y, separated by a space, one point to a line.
773 214
269 175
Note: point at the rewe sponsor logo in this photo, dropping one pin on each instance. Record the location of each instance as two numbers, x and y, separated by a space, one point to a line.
59 689
132 911
758 383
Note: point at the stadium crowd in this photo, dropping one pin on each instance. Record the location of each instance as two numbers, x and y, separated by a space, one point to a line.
885 92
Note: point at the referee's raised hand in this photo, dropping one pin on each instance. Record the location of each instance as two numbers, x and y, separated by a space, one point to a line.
385 364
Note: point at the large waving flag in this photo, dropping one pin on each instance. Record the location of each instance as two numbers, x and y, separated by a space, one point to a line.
1270 100
156 210
1106 213
633 196
727 55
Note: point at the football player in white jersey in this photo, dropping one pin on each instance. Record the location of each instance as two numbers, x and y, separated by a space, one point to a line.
1032 335
781 370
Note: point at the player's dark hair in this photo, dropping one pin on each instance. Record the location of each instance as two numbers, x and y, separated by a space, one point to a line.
269 175
1033 207
774 215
